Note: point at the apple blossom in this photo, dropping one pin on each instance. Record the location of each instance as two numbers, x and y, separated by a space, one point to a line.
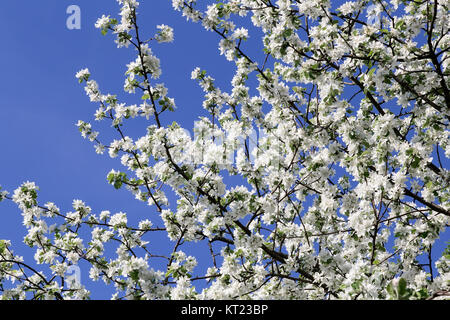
343 191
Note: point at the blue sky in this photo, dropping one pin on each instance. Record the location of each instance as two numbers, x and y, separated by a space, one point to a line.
40 101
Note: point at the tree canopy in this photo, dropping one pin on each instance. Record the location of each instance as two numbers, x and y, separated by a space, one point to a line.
338 138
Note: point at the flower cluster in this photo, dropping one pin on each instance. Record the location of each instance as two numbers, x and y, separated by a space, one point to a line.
165 33
343 194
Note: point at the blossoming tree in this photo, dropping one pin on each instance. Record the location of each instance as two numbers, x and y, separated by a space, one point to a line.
343 196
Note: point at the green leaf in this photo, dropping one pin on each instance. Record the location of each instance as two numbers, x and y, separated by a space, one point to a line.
421 294
409 152
401 286
356 285
110 177
400 24
415 163
117 184
225 279
287 33
134 275
283 48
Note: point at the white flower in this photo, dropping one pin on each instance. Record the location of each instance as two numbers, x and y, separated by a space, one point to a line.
165 33
94 273
102 22
240 33
348 7
145 224
118 220
83 74
104 215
